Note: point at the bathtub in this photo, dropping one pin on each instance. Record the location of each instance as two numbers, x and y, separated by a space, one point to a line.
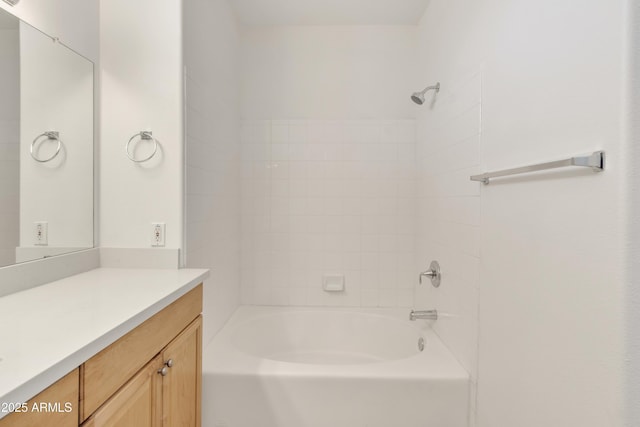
309 367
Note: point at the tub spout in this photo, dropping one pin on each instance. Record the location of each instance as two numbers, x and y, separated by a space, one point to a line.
423 314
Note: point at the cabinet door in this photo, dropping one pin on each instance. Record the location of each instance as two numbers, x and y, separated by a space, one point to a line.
136 404
57 406
106 372
181 387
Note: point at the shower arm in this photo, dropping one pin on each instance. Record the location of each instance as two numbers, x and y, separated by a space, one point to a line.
435 87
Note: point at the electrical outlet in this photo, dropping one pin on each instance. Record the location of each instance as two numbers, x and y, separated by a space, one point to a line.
158 231
41 233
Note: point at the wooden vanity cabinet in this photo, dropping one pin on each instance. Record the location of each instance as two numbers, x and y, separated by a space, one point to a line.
60 406
164 390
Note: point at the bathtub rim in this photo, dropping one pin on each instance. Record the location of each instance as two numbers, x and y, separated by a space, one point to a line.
436 362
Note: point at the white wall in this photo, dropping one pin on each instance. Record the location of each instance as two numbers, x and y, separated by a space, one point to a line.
141 89
559 262
56 95
9 144
358 72
211 45
328 164
550 260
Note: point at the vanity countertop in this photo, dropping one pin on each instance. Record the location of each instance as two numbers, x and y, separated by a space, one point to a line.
47 331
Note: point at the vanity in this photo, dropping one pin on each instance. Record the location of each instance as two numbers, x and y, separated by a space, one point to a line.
123 349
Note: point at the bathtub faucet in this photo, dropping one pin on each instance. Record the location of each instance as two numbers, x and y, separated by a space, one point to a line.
423 314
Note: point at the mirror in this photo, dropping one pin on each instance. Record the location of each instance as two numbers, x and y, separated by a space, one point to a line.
46 145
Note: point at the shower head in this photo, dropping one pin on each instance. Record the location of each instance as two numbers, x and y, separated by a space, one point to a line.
418 97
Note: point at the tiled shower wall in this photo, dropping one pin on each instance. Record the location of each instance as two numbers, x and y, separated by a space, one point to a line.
213 156
448 152
449 226
329 197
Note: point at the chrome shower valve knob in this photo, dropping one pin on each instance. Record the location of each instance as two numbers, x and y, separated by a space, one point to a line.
433 273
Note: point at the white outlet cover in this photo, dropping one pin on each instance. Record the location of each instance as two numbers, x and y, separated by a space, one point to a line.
158 230
41 233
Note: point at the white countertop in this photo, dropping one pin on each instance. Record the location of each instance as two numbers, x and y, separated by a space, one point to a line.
47 331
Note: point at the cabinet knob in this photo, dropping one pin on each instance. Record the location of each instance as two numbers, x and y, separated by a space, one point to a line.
164 371
169 363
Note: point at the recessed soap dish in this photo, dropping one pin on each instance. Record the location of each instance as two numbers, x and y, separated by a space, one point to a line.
333 282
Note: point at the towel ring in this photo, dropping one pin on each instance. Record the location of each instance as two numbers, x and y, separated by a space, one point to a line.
145 135
51 135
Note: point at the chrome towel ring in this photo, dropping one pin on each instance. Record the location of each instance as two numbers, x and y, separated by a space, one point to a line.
51 135
145 135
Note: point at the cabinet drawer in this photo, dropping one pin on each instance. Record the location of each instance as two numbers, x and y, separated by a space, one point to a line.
57 406
106 372
137 404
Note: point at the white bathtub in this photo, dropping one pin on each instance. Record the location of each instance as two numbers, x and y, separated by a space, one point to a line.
308 367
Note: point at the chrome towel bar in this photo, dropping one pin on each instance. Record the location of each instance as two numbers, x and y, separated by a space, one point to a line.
594 161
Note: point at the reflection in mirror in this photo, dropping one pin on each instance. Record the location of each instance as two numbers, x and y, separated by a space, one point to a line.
46 145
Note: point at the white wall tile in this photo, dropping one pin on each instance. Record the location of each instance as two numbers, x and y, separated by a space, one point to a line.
448 148
279 152
370 298
280 132
216 178
339 198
